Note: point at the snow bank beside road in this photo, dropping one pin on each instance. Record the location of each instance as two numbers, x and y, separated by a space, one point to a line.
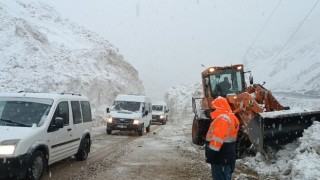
305 164
178 128
179 102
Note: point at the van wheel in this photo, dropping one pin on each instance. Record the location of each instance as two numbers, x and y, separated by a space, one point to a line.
37 165
84 149
109 131
148 128
141 131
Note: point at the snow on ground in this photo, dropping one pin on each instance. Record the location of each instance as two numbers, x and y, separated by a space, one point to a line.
297 160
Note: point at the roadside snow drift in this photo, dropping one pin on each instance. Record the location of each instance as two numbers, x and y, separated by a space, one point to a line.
42 52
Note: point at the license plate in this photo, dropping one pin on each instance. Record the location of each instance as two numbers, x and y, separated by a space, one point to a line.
122 126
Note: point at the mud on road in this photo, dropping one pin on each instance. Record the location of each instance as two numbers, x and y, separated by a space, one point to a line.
129 156
148 157
156 155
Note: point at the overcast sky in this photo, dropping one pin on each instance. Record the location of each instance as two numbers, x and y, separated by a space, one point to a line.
168 40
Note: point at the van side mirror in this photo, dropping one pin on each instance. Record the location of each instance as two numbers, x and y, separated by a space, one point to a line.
58 122
108 110
146 113
167 110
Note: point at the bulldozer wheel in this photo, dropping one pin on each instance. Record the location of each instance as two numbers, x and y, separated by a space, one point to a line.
196 132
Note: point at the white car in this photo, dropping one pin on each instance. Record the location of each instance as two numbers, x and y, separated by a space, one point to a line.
130 112
38 129
160 113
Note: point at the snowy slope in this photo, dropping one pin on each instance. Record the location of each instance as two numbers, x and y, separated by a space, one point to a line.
294 69
289 61
42 52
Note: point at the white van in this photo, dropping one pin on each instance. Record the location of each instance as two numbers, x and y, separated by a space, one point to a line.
160 113
130 112
38 129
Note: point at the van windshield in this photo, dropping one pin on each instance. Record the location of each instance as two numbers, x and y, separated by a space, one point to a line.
24 112
157 108
124 106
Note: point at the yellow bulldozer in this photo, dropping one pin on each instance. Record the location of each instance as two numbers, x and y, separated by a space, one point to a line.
265 123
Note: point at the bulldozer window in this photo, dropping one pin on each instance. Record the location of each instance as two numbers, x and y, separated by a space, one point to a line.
227 81
207 86
214 80
225 84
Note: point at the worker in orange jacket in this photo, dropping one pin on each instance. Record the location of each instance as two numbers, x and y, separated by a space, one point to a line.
220 147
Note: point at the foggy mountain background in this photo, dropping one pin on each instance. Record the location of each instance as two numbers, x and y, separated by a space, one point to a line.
290 60
167 41
295 69
44 52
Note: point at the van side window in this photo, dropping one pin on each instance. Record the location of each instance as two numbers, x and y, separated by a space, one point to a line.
77 118
63 112
149 107
86 111
143 107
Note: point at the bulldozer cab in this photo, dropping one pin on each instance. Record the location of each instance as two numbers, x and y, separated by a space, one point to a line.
220 81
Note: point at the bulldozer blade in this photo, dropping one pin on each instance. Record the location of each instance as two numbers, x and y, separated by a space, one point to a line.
273 129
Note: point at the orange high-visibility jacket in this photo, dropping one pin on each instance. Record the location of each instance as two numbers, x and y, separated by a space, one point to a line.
224 127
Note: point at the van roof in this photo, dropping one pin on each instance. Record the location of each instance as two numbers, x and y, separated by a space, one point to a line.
160 103
134 98
54 96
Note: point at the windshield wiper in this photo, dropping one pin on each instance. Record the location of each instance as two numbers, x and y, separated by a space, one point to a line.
17 123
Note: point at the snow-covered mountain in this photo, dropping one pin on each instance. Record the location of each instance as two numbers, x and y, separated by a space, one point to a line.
42 52
292 68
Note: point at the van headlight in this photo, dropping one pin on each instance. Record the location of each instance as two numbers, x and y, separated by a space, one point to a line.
161 116
136 121
8 147
109 120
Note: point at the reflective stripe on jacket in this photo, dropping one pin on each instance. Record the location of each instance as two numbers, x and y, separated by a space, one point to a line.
222 129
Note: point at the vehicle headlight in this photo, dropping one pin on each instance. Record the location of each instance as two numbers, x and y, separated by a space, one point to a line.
161 116
8 147
136 121
109 120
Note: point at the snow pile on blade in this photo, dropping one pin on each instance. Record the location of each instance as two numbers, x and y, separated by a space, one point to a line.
297 160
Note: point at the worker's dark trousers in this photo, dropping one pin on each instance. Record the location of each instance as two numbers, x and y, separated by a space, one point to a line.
222 172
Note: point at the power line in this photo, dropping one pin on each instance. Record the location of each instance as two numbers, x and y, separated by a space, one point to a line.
262 29
295 32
